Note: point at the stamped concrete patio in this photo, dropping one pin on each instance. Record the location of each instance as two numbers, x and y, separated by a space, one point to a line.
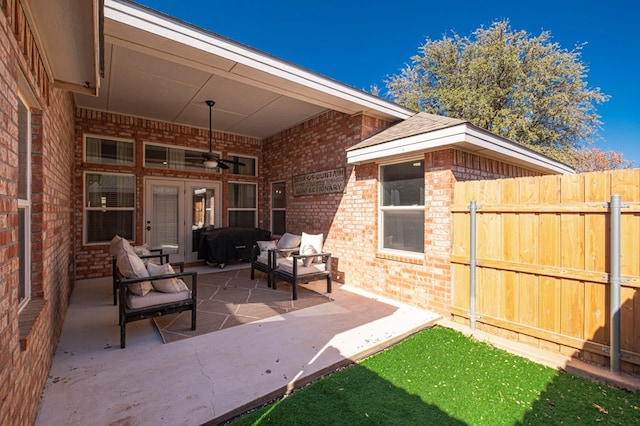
212 377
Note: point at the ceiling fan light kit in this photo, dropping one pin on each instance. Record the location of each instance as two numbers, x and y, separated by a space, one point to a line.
211 160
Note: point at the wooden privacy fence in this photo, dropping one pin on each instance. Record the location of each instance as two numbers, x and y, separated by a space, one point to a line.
543 261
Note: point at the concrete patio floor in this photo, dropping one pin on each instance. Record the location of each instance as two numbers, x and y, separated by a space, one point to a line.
209 378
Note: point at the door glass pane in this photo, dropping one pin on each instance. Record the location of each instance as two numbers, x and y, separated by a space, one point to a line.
278 195
164 226
202 215
278 220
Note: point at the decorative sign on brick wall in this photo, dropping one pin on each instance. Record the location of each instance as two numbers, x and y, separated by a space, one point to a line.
317 183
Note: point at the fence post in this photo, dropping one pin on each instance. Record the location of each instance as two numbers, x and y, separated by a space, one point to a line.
614 283
472 265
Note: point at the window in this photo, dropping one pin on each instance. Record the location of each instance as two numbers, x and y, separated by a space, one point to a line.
108 151
278 208
242 205
109 206
402 206
249 168
165 157
24 203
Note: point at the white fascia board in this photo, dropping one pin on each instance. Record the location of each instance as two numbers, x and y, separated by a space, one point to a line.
194 37
412 144
510 150
468 138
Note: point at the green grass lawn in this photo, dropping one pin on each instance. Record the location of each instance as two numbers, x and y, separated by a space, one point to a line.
442 377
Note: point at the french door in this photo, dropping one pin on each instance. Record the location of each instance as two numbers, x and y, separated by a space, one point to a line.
176 212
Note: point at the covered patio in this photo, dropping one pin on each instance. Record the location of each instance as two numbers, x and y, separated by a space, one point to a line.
212 377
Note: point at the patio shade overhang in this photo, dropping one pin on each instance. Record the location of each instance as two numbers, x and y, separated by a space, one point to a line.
427 132
163 69
68 36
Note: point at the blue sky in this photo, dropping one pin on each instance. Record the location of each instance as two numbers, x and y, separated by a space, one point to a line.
361 43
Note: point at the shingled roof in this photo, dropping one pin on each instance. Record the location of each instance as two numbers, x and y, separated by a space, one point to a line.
425 132
417 124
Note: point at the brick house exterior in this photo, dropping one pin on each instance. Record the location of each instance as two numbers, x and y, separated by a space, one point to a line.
58 256
28 338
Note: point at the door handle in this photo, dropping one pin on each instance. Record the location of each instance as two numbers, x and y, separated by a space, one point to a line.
148 228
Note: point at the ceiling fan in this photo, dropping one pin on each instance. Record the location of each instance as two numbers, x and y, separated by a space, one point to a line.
212 160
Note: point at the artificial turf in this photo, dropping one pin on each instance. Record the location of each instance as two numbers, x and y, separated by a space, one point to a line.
442 377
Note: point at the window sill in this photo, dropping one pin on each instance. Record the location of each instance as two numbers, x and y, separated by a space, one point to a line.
417 259
28 318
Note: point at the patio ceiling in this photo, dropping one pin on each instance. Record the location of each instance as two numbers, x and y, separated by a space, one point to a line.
164 69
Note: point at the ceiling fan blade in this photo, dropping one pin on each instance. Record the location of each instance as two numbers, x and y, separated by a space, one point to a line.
222 165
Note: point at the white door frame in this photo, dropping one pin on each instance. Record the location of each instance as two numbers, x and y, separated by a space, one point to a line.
185 225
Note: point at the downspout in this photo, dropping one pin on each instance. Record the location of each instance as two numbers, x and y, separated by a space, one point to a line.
472 265
614 284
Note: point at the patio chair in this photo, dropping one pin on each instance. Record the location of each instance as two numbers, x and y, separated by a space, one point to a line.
309 264
152 290
262 258
146 254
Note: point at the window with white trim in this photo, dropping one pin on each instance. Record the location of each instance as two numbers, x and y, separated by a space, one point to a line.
108 151
248 169
109 206
24 202
242 204
278 208
167 157
402 207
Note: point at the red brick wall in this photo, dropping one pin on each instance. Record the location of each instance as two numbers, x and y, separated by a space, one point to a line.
28 339
349 220
94 260
423 282
315 146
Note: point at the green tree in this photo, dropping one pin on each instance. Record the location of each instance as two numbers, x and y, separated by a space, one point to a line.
526 89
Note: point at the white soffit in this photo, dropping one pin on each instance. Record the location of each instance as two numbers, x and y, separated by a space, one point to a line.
222 56
67 33
465 137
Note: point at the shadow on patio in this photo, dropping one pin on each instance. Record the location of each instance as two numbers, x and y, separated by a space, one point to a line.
211 377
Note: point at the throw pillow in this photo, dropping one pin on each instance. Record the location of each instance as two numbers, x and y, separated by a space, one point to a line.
288 241
307 249
117 243
287 244
264 247
166 285
131 266
315 241
142 250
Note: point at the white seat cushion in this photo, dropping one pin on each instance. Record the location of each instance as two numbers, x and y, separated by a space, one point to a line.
286 265
156 298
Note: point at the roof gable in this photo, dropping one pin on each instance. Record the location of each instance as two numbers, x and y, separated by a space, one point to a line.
425 132
419 123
